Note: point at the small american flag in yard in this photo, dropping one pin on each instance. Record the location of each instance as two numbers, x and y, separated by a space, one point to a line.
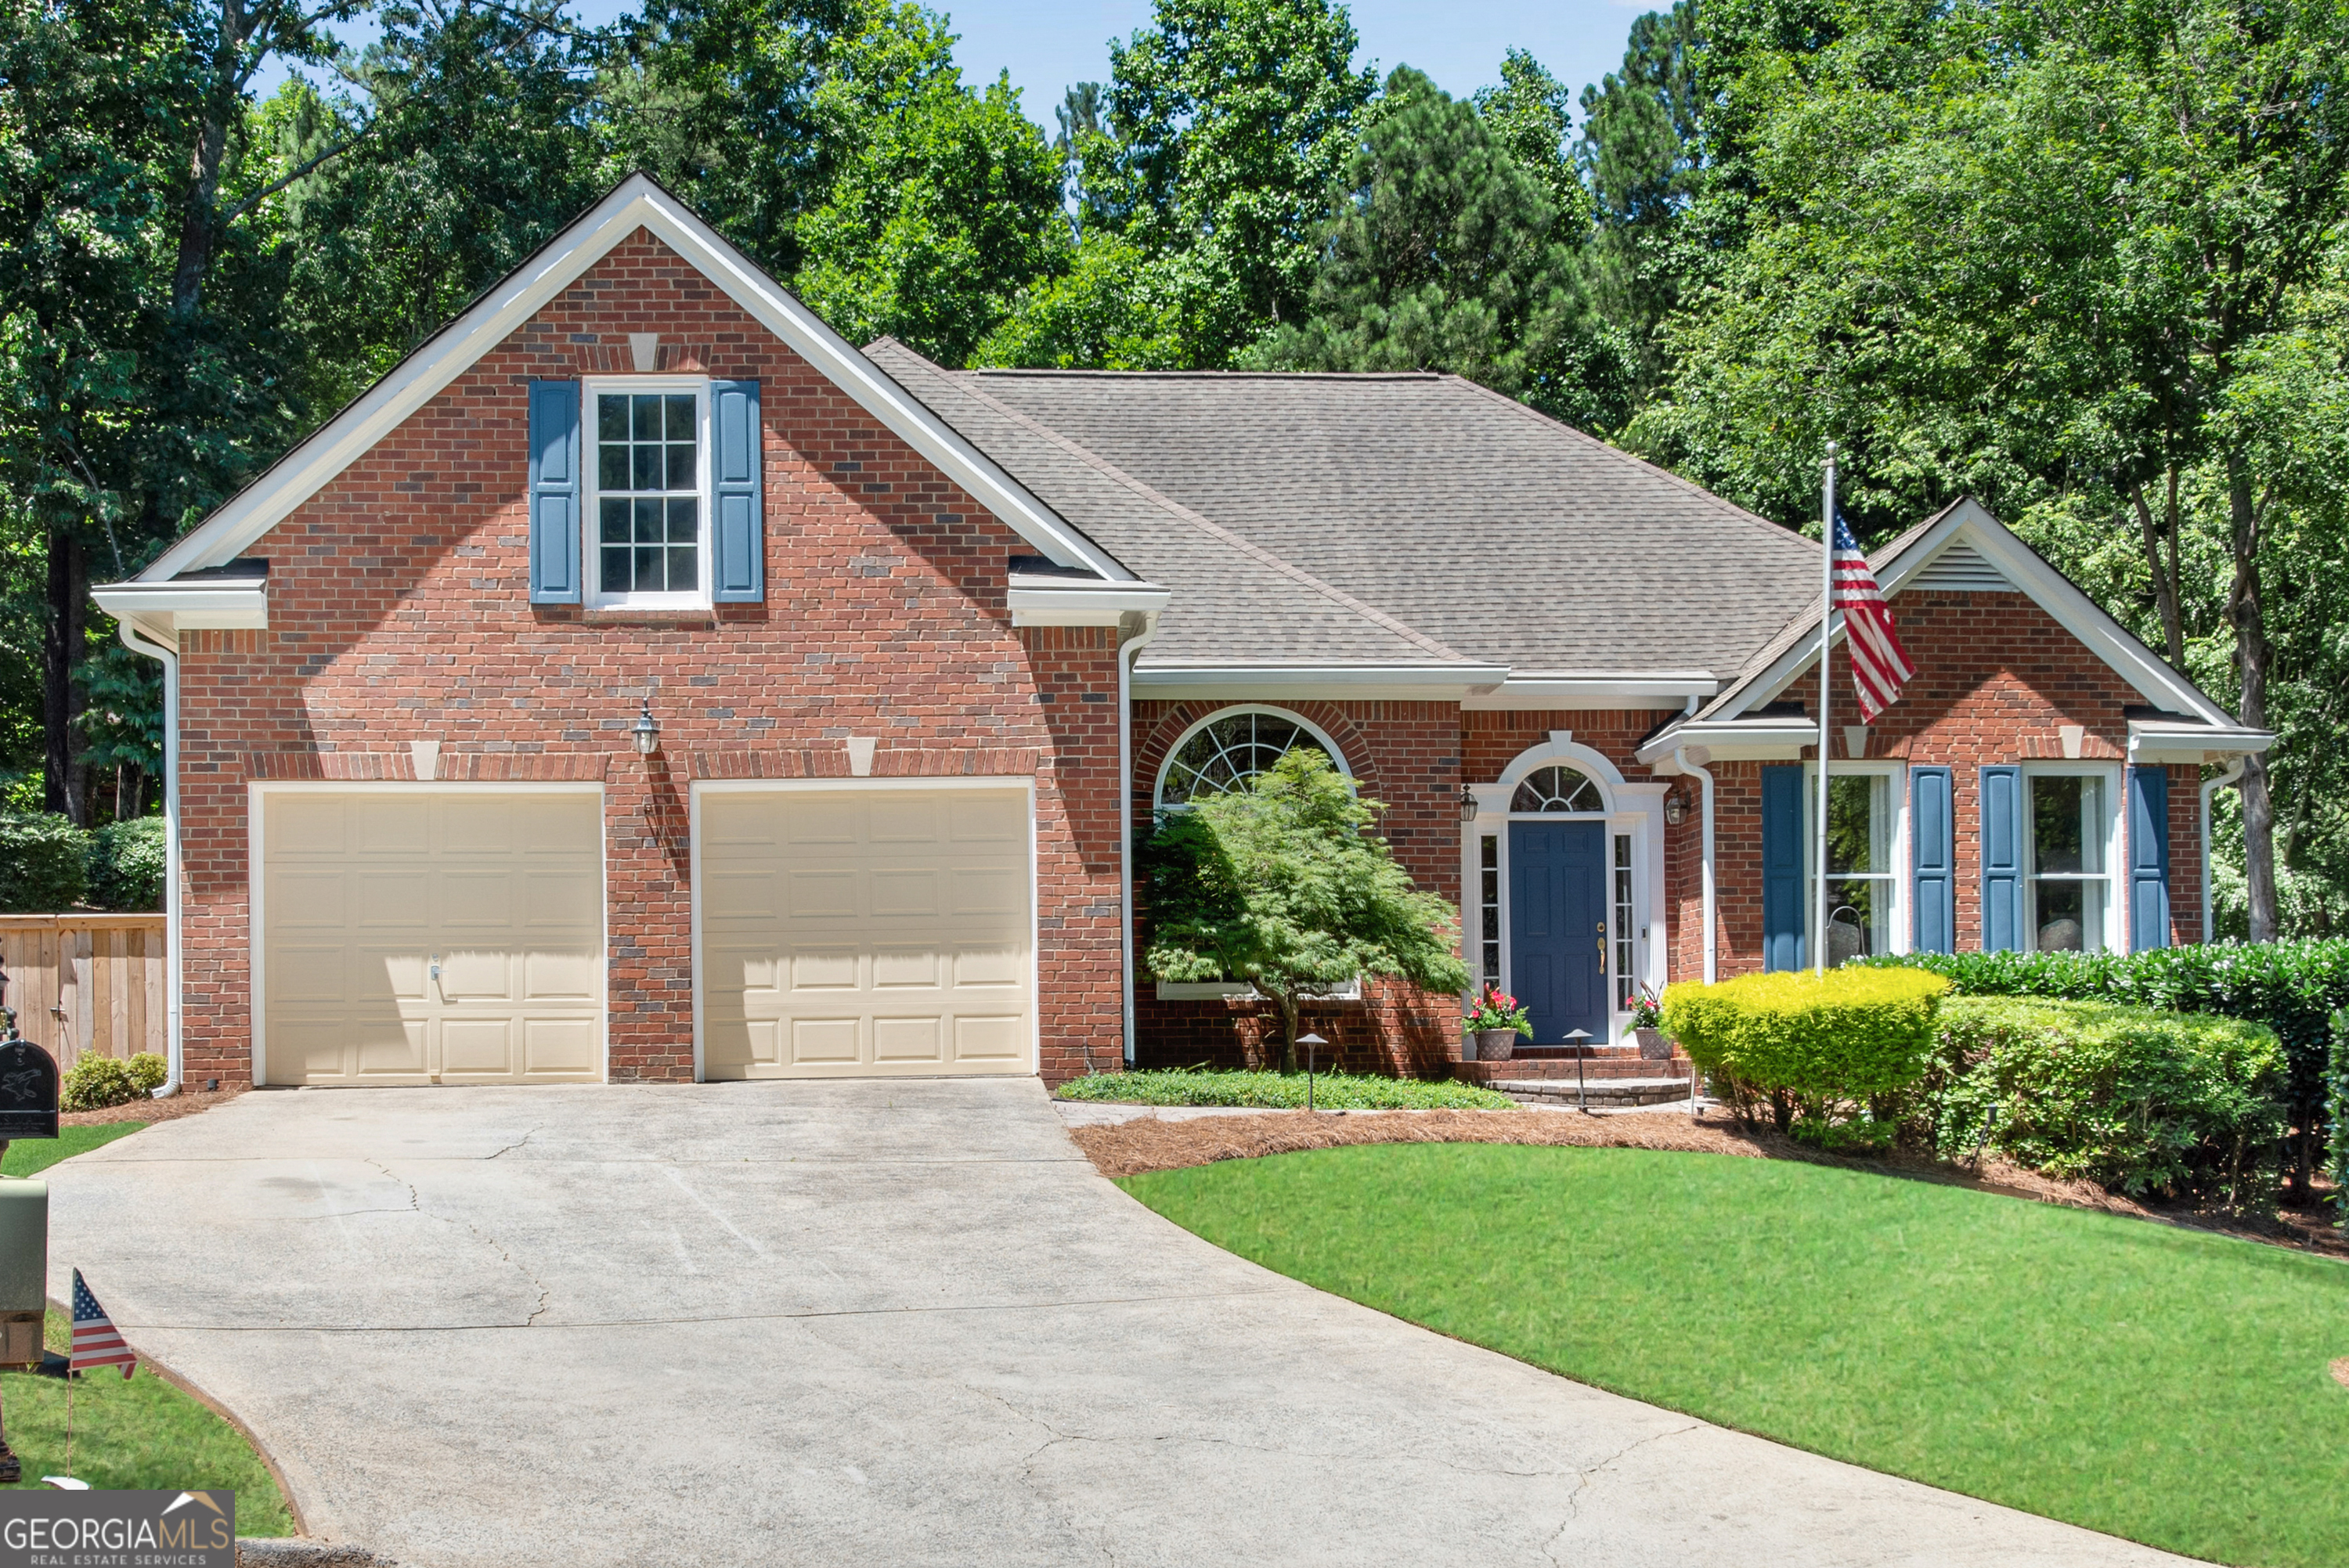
95 1341
1880 664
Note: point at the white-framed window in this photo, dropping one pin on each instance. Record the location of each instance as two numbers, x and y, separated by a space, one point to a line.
647 511
1626 970
1488 905
1226 749
2071 821
1866 837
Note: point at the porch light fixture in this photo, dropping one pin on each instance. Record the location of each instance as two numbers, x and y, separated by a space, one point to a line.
1467 804
646 730
1676 808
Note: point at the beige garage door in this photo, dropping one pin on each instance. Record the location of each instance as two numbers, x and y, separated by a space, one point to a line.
413 936
859 933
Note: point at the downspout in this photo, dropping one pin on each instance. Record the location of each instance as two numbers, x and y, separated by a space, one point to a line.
1711 899
138 643
2217 781
1125 656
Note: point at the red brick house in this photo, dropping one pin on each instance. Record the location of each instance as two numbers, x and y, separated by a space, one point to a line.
642 682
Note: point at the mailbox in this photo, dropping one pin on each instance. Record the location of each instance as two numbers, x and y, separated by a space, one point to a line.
28 1091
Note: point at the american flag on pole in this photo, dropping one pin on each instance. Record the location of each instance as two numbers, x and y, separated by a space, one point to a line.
95 1341
1880 664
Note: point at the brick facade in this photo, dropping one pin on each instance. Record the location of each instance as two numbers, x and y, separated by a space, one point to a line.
399 611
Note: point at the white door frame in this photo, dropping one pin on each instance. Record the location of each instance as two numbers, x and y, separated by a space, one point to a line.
256 929
1025 784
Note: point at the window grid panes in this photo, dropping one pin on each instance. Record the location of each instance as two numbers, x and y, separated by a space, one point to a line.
1859 864
1228 753
647 493
1489 896
1623 964
2068 876
1557 789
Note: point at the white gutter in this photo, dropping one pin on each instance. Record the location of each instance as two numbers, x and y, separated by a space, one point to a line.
1125 656
1062 602
138 643
2215 783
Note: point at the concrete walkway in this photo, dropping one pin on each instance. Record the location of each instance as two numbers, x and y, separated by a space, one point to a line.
872 1323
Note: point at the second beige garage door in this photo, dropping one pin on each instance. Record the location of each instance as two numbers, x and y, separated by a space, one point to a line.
866 932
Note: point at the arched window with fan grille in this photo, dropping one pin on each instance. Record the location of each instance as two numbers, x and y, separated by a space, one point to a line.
1226 750
1556 789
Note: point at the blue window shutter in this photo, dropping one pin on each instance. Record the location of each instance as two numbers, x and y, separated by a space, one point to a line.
738 537
1933 833
2002 859
2149 853
1782 867
555 492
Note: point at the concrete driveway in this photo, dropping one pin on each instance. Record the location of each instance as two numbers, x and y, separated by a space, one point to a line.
872 1323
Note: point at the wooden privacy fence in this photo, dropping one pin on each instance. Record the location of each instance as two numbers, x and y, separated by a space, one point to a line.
85 982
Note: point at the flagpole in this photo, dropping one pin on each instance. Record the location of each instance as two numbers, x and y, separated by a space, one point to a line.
1826 688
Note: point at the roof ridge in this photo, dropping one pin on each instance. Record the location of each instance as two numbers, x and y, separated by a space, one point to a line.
1213 529
1075 371
1656 468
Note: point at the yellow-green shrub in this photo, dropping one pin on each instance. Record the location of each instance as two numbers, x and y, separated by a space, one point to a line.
1819 1045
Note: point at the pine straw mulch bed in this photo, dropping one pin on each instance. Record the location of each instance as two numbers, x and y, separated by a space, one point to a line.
187 1102
1151 1143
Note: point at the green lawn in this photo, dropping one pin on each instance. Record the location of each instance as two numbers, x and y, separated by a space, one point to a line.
1332 1091
30 1155
2166 1385
143 1433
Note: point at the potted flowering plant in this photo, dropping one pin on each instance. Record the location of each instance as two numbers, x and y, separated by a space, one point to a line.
1647 1026
1494 1024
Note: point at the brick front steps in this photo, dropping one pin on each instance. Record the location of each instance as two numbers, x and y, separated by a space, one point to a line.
1603 1062
1609 1093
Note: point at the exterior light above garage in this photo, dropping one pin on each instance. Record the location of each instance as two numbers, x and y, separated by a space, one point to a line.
647 729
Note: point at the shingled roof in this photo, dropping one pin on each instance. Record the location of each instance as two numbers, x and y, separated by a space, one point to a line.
1380 518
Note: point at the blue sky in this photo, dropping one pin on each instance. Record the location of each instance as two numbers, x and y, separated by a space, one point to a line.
1048 44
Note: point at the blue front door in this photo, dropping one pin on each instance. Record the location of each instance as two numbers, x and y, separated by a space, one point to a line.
1557 927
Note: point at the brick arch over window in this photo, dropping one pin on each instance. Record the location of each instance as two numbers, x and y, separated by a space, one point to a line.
1152 750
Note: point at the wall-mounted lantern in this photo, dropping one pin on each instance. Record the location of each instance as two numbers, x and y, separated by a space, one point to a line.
646 730
1467 803
1676 808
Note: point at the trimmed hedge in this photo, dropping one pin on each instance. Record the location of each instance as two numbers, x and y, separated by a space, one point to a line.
1286 1091
95 1082
43 864
2292 987
126 865
1816 1048
2138 1099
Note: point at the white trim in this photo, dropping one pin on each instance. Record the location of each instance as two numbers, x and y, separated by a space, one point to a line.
2114 937
1225 990
1024 783
1560 748
231 603
2077 613
591 547
2210 785
1767 739
1902 875
2156 740
256 790
1165 763
1058 601
1523 690
1126 653
637 202
1305 682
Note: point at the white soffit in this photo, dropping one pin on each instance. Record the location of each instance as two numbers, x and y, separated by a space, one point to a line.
1295 683
167 609
1065 601
1534 690
637 202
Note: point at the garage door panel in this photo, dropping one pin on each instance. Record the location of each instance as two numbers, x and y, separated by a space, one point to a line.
919 1039
995 1040
904 933
387 824
477 1048
820 969
738 895
825 1042
822 895
913 891
363 891
559 1047
906 969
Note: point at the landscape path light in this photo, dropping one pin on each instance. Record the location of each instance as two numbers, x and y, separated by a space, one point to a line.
1308 1042
1581 1096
